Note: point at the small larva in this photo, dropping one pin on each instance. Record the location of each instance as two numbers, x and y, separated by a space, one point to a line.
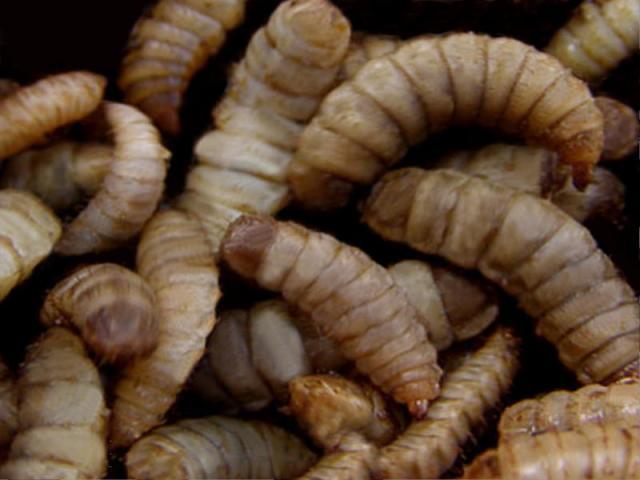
8 407
533 250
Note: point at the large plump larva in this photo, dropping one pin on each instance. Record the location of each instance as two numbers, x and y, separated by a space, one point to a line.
600 35
218 447
131 190
8 407
621 129
429 447
563 410
364 47
112 308
529 247
62 413
167 47
175 258
32 112
590 451
353 300
394 102
289 66
61 174
28 232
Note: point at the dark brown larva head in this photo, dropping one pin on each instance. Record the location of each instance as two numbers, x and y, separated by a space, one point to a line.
245 242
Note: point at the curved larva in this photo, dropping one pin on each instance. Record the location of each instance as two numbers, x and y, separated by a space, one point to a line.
112 308
365 47
537 253
62 413
61 174
7 87
428 84
167 47
621 129
600 35
218 447
429 447
32 112
589 451
353 300
8 406
175 259
28 232
290 64
563 410
130 191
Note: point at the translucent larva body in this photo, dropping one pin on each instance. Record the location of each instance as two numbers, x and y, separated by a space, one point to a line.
8 407
533 250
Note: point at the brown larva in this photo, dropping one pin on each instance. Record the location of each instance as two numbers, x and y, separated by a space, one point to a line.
8 407
529 247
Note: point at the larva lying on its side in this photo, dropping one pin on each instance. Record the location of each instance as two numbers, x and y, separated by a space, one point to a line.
8 407
7 87
429 447
364 47
353 300
600 35
563 410
32 112
218 447
167 47
112 308
590 451
28 232
290 64
532 249
394 102
175 259
621 129
130 191
62 413
61 174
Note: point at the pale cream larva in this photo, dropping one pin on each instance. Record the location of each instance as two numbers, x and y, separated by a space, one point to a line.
364 47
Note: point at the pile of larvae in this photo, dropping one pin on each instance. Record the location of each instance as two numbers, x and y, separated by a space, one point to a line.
332 363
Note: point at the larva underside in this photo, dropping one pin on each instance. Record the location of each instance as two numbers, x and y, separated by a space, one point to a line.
175 259
8 407
533 250
394 102
353 300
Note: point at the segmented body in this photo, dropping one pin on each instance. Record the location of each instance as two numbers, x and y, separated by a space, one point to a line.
621 129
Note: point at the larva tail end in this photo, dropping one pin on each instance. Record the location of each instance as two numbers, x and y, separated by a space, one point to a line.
317 190
245 242
485 466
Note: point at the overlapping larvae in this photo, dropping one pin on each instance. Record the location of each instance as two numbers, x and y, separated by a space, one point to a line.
365 47
533 250
218 447
290 64
599 35
168 45
430 83
8 407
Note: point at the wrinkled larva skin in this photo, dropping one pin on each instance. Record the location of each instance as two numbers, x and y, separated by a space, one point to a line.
131 190
533 250
365 47
429 447
598 37
218 447
61 174
28 232
369 122
175 259
589 451
289 66
621 129
62 413
353 300
112 308
32 112
8 407
167 47
563 410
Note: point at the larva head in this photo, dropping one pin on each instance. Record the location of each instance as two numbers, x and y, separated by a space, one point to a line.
485 466
246 241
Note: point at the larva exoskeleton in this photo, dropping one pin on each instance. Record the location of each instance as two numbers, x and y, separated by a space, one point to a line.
394 102
112 308
290 64
130 191
61 174
529 247
8 407
175 259
167 47
28 232
32 112
7 87
563 410
364 47
589 451
354 301
429 447
218 447
62 413
600 35
621 129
